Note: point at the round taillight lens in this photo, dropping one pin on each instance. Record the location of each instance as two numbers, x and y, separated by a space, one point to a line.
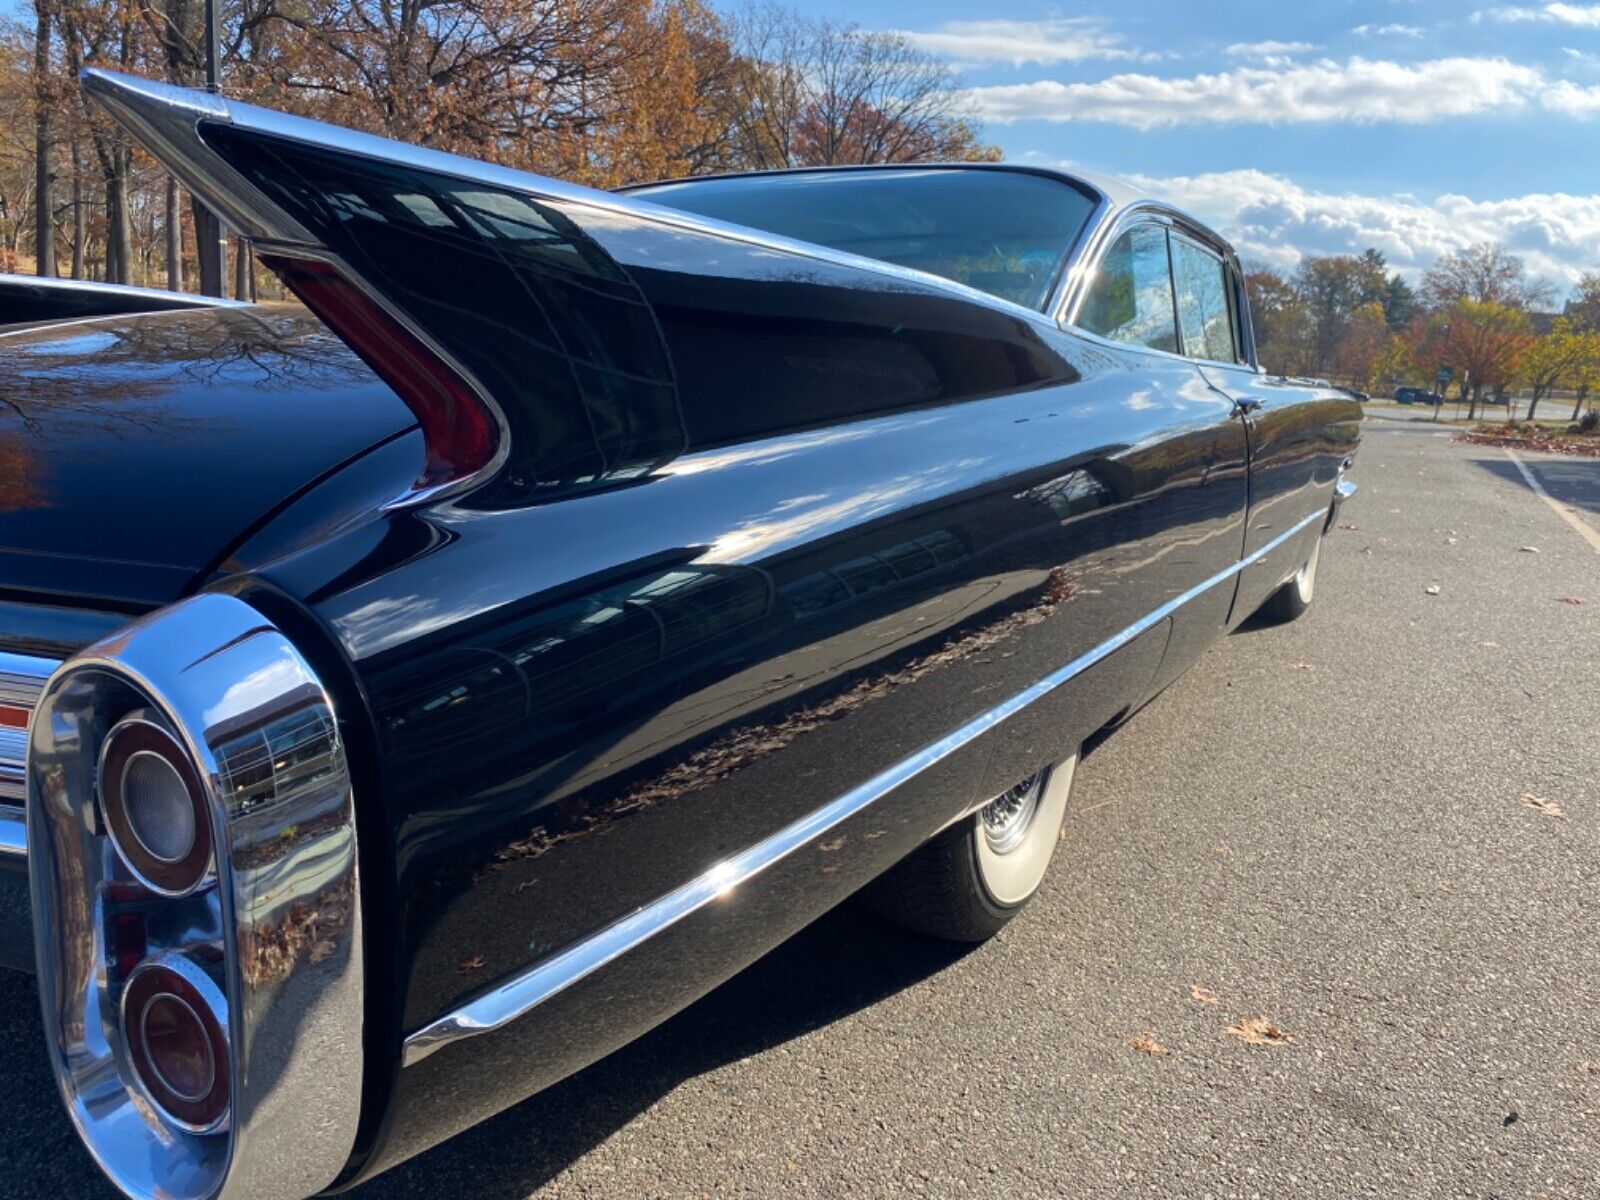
174 1024
154 807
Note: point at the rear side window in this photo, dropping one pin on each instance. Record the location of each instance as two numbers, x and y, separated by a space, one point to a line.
1131 298
1003 232
1203 309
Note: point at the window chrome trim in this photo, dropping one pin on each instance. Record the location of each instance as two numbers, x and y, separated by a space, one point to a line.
1081 272
522 993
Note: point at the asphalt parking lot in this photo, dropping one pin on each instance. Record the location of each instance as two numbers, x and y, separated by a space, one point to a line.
1370 838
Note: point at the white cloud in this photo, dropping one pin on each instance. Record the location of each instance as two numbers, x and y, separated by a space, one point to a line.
1368 30
1068 40
1357 89
1584 16
1274 220
1268 49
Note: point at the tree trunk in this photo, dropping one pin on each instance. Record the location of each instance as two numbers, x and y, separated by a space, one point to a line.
44 177
1472 404
174 238
1577 409
80 221
1533 405
119 251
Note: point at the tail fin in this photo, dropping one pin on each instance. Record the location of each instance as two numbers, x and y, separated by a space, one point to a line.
515 338
549 336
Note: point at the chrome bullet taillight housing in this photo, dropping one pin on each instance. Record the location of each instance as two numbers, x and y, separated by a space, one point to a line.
192 853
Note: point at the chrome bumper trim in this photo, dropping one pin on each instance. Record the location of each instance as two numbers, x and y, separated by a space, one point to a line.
522 993
13 832
276 926
22 678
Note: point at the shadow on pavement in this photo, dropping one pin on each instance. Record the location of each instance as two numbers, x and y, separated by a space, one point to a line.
845 961
1571 481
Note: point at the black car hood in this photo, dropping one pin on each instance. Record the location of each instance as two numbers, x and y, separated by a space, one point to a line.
136 450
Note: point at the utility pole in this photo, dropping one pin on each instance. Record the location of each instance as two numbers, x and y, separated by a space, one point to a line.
210 246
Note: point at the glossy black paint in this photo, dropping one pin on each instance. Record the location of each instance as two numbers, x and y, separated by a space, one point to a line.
140 449
771 523
872 511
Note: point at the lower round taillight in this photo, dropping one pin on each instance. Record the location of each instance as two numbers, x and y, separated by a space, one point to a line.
174 1023
154 807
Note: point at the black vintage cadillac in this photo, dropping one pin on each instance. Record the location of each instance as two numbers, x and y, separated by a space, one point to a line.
409 697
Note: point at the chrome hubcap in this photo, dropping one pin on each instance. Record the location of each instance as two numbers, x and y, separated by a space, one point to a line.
1007 818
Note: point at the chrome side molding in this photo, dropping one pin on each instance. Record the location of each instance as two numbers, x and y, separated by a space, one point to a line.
522 993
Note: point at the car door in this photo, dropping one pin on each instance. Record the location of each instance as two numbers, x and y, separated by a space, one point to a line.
1133 299
1291 463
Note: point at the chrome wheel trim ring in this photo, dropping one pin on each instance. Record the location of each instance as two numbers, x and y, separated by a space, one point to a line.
1012 875
1305 579
1006 819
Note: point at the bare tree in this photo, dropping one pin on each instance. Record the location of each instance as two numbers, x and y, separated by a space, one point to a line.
821 93
1485 272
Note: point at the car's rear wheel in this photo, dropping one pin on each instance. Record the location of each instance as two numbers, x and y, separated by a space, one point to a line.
1295 596
974 877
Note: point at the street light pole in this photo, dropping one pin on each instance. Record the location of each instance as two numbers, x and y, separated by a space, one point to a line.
209 245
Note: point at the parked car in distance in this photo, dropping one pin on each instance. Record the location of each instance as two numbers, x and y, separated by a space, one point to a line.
1416 395
1355 394
405 705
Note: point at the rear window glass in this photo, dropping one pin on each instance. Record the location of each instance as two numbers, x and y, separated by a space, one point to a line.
1003 232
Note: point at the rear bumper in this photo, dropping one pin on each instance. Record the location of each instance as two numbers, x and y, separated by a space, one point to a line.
1342 491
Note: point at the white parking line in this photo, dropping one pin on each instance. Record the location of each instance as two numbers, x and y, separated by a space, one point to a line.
1585 531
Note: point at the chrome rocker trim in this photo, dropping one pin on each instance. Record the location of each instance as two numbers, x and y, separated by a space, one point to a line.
275 925
521 994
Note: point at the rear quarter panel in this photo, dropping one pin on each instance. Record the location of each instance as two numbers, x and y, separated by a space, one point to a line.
894 509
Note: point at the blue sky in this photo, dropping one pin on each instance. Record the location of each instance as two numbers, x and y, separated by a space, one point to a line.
1413 125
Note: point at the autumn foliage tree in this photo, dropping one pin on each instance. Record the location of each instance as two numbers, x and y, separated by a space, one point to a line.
603 92
1484 342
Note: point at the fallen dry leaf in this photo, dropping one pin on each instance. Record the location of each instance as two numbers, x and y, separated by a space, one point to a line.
1571 599
1258 1031
1432 589
1146 1043
1528 549
475 963
1539 804
1202 995
1344 525
1303 666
